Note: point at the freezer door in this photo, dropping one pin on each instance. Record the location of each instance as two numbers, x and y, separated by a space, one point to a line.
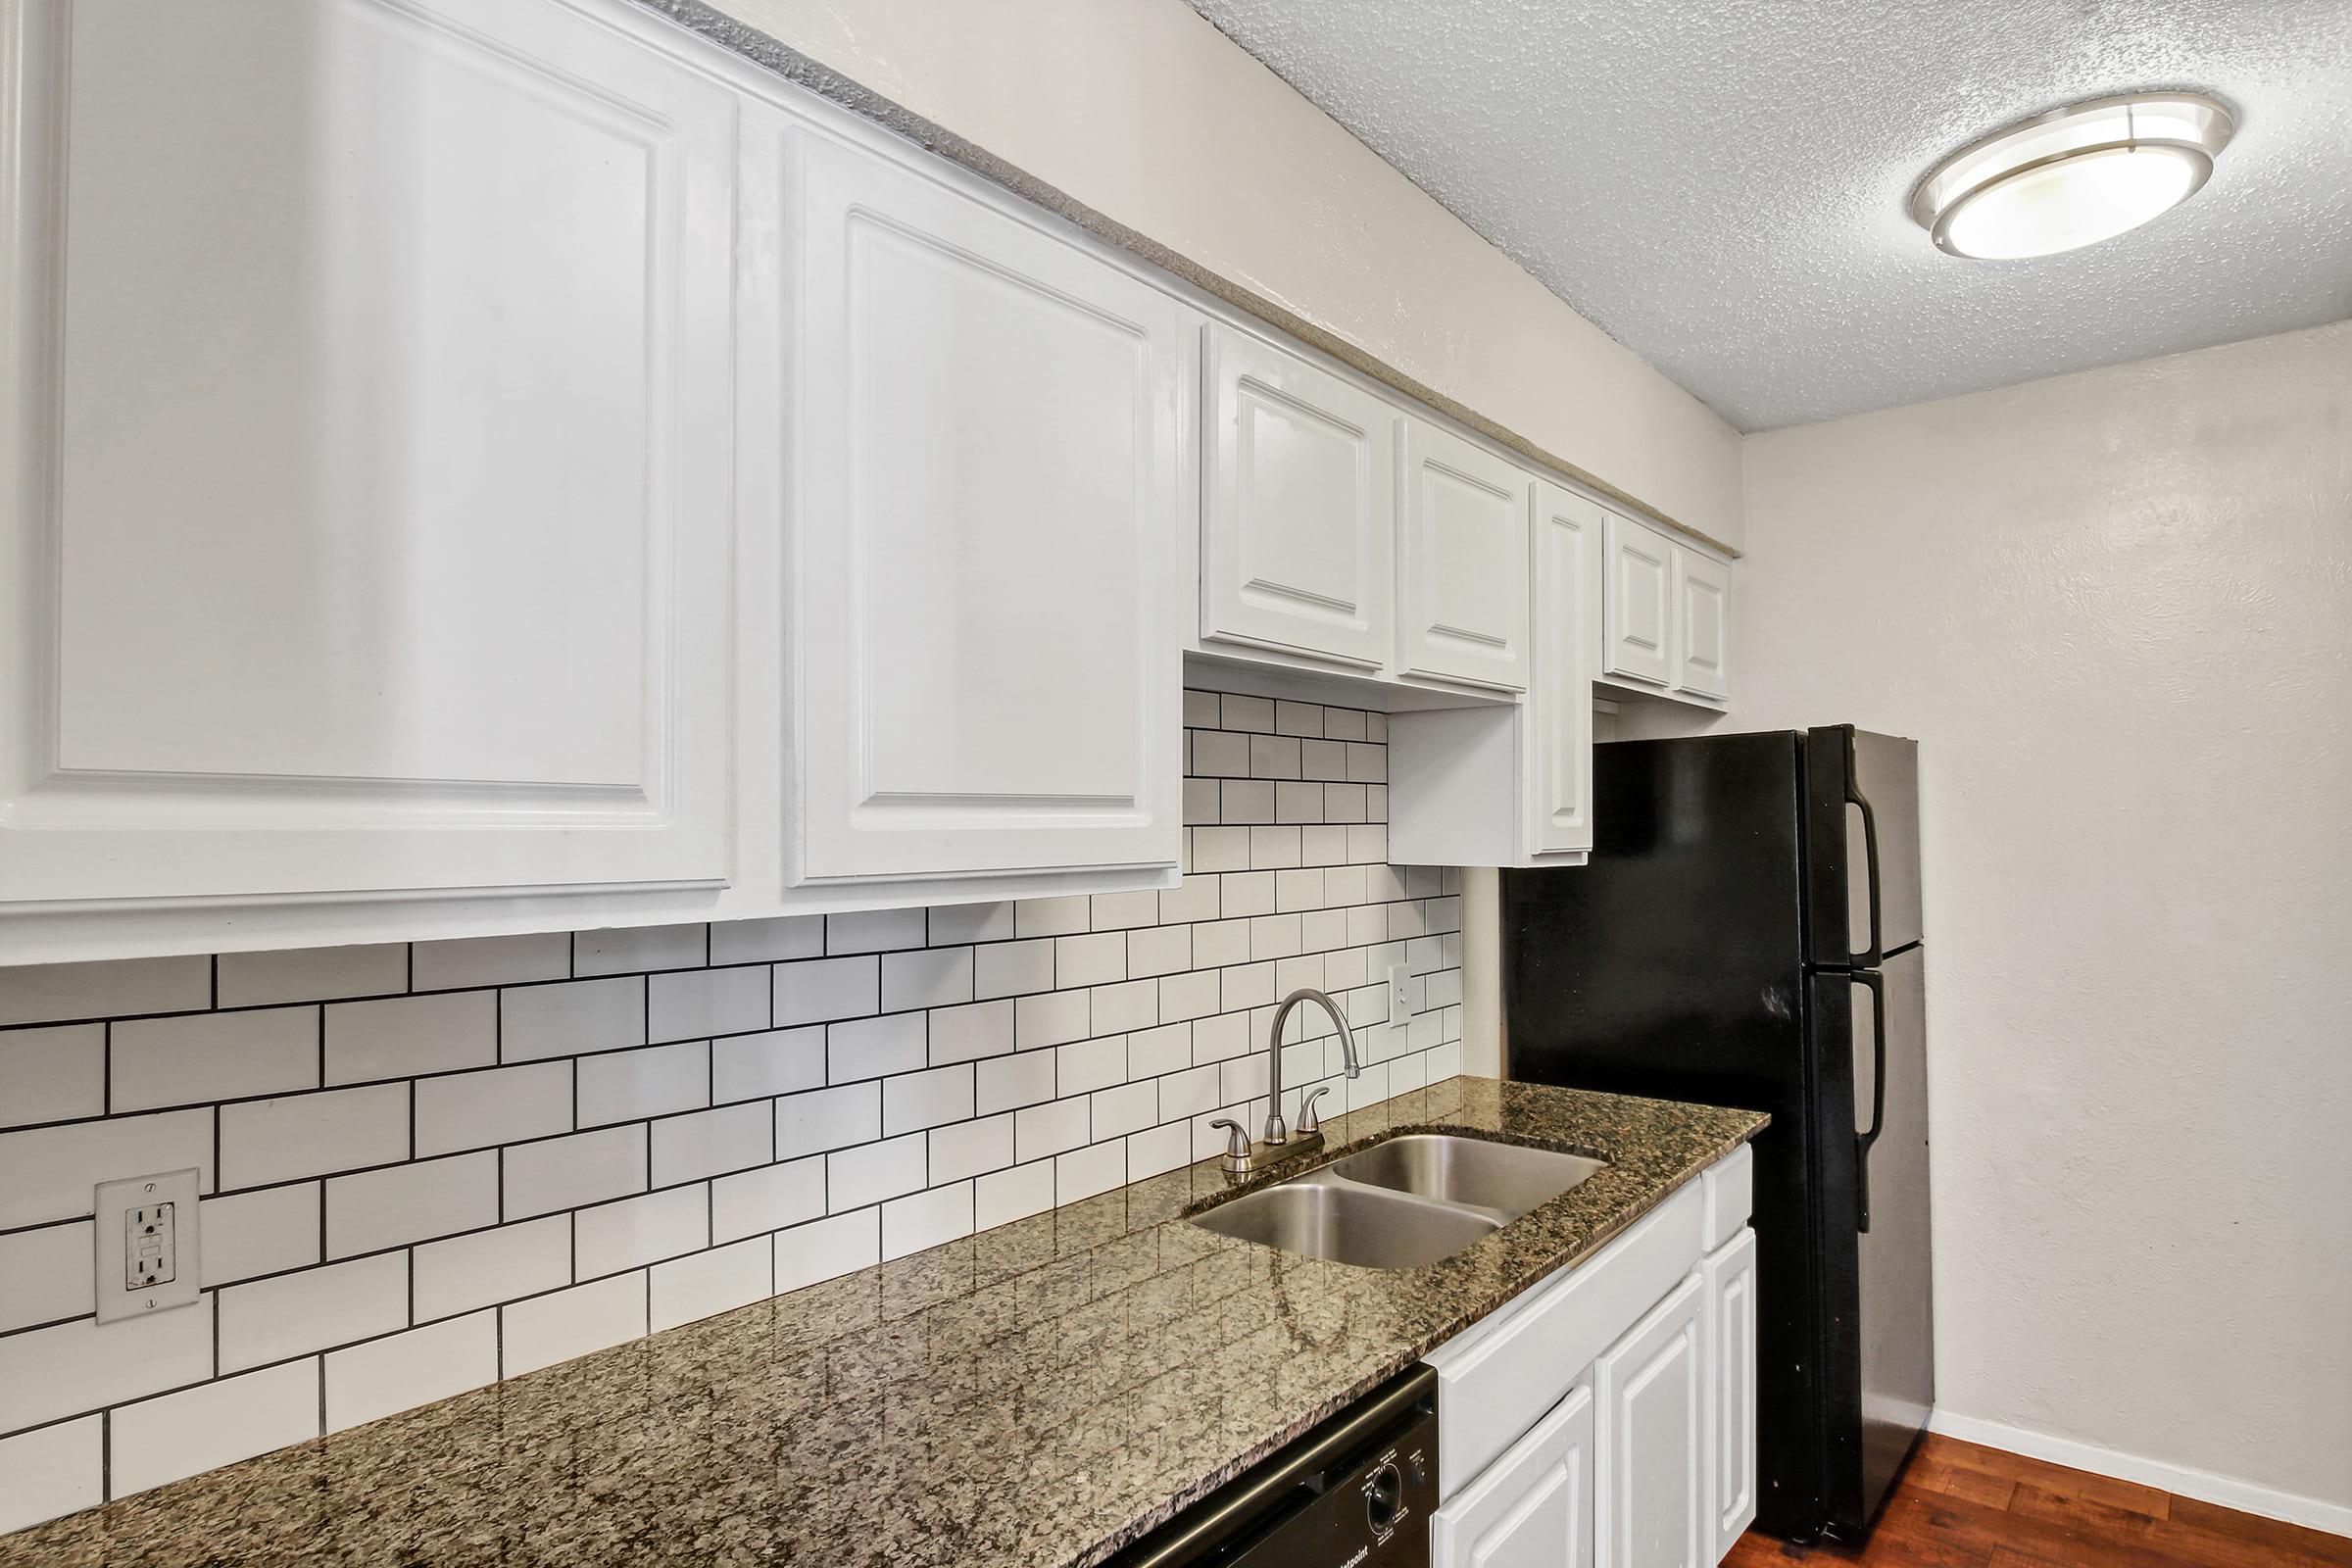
1896 1312
1861 847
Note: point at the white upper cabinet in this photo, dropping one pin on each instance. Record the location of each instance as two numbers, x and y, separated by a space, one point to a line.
1637 623
1701 588
986 670
1299 521
367 522
1461 570
1559 716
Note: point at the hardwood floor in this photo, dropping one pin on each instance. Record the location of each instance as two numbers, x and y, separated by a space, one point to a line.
1963 1507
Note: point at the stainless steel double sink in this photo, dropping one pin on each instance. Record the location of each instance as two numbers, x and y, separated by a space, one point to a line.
1412 1200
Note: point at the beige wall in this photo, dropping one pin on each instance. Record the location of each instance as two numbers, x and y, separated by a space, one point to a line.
1144 112
2116 608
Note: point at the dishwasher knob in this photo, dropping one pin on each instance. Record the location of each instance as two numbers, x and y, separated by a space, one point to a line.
1384 1495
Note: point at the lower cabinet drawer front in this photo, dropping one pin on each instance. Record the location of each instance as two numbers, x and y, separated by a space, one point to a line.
1498 1378
1730 1184
1533 1509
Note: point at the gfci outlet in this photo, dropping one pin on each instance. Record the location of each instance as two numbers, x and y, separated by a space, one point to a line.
1400 995
146 1245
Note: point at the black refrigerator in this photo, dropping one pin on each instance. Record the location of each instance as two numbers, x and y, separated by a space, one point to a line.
1748 933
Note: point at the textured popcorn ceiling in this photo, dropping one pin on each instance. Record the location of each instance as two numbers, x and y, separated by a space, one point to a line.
1722 185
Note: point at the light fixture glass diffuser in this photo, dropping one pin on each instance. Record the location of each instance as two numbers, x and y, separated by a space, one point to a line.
2074 176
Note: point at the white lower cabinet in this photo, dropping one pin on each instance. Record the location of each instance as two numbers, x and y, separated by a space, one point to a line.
1607 1416
1533 1508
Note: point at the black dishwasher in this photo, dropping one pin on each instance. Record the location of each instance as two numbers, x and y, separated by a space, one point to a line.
1356 1493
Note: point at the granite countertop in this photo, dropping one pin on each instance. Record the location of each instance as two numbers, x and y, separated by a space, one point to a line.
1036 1395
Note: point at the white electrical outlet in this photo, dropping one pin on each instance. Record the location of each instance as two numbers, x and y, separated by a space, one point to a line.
1400 995
146 1245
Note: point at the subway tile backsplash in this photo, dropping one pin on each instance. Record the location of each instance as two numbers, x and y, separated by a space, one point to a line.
431 1166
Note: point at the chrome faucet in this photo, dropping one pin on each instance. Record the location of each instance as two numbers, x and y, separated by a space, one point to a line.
1241 1158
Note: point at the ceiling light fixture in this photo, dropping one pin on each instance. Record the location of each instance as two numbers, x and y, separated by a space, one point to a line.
2073 176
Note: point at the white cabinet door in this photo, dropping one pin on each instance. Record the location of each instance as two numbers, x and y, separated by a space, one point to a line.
1532 1508
366 520
986 671
1730 1381
1559 722
1299 523
1462 570
1702 592
1640 614
1650 1387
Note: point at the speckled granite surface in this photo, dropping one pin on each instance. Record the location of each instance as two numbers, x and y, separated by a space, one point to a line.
1039 1394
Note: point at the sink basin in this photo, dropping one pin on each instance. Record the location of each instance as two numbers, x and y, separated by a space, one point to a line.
1503 1178
1345 1223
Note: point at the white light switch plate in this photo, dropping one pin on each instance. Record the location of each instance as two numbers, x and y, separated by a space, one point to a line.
1400 995
145 1252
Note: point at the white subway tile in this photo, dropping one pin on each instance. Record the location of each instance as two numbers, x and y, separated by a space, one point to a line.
199 1057
1200 710
401 1371
403 1204
1344 723
1121 1007
72 1367
1201 804
637 1231
1368 843
915 1100
489 960
45 1275
570 1172
1054 1018
971 1032
627 1085
1084 1172
970 922
475 1109
1229 1034
202 1429
1194 899
571 1018
263 1142
1274 936
1001 1197
313 1309
768 1199
1129 1107
52 1471
1183 997
706 1284
1220 848
261 1232
926 1219
1003 1082
707 1001
548 1329
970 1148
1220 943
49 993
870 1048
1220 754
789 936
406 1037
1090 1065
52 1074
1117 912
1089 960
1159 950
927 977
1273 848
874 930
1158 1149
468 1272
1322 759
1298 803
1297 718
1188 1094
1242 1078
1013 968
311 974
1152 1052
1343 804
1049 1129
1248 713
829 1118
1273 756
822 989
872 1172
731 1138
1301 889
1053 917
763 1065
47 1172
635 949
1368 763
1246 893
827 1248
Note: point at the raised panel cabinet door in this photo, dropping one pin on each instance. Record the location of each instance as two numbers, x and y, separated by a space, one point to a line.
1559 704
1461 585
1533 1506
367 513
1701 605
1650 1387
986 671
1731 1382
1638 619
1299 523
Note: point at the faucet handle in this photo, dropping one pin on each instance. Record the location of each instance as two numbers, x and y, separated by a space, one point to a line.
1308 1122
1237 1148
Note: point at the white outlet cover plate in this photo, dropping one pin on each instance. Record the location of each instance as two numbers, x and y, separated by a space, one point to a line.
1400 995
113 1204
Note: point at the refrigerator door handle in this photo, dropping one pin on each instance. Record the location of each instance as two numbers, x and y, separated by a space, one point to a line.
1871 956
1878 1092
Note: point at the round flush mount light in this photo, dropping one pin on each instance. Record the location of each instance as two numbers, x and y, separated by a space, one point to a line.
2073 176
